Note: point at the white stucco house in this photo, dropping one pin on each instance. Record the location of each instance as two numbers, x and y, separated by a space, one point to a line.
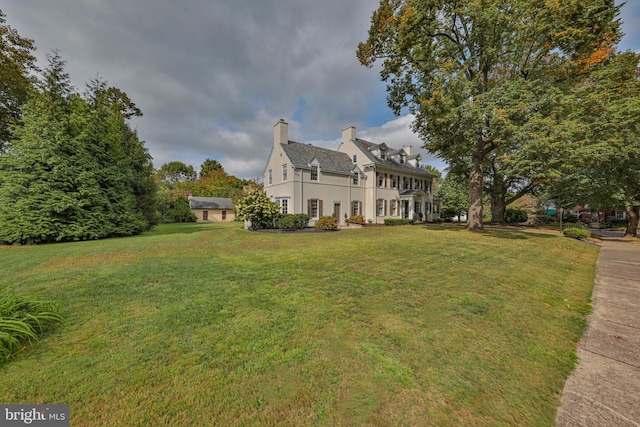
359 178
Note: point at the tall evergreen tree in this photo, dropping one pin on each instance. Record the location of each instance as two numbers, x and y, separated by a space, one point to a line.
16 63
75 171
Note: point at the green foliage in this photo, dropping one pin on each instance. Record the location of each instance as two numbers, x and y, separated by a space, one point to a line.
258 210
16 62
175 208
454 198
515 216
23 319
398 221
481 77
356 219
576 233
209 165
293 221
173 173
76 170
614 223
329 223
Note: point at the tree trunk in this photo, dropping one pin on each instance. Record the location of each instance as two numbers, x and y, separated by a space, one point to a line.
476 180
498 199
633 212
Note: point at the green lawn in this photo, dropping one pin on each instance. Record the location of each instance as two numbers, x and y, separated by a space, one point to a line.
208 324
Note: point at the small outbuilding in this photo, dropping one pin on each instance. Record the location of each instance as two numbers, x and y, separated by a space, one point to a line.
212 209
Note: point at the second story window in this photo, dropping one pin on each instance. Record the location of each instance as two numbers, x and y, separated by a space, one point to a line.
380 179
356 179
314 173
284 172
394 181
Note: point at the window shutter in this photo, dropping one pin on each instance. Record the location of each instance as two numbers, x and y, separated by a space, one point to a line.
309 207
360 209
386 203
319 208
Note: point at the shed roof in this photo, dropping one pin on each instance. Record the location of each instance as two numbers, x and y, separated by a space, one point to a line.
210 203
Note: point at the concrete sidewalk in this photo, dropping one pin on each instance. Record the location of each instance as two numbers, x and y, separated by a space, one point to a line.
604 390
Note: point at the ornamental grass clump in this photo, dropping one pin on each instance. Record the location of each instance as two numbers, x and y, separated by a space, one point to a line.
23 319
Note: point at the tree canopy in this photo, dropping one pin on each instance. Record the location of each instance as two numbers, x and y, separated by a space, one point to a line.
16 64
475 73
75 170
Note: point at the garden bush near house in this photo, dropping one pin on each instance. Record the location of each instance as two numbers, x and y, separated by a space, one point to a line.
23 319
327 223
259 210
356 219
515 216
614 223
576 233
293 221
398 221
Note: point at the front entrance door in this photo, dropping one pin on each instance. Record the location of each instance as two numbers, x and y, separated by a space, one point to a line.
405 214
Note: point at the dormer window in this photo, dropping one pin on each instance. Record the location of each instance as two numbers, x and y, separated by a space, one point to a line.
383 154
314 173
402 158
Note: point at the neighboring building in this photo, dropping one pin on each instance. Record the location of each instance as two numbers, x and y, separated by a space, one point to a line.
360 178
212 209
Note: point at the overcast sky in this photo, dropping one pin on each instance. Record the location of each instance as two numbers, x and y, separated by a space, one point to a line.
212 77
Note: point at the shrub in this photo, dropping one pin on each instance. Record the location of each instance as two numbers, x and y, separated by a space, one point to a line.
327 223
515 216
576 233
543 219
259 210
398 221
23 320
356 219
293 221
614 223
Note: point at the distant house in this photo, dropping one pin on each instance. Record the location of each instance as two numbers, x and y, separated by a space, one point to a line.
359 178
212 209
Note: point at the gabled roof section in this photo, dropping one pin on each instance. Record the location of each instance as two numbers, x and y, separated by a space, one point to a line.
210 203
366 147
301 156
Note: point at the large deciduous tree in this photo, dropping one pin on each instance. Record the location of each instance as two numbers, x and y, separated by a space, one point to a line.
602 122
473 72
176 172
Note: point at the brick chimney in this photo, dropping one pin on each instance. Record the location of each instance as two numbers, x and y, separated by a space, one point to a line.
280 133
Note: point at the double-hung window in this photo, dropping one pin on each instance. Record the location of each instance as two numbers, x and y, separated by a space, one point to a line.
284 172
270 177
314 173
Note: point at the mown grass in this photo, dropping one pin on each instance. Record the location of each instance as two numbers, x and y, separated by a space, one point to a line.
207 324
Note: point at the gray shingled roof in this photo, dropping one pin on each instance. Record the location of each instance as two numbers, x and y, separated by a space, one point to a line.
210 203
366 146
330 160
